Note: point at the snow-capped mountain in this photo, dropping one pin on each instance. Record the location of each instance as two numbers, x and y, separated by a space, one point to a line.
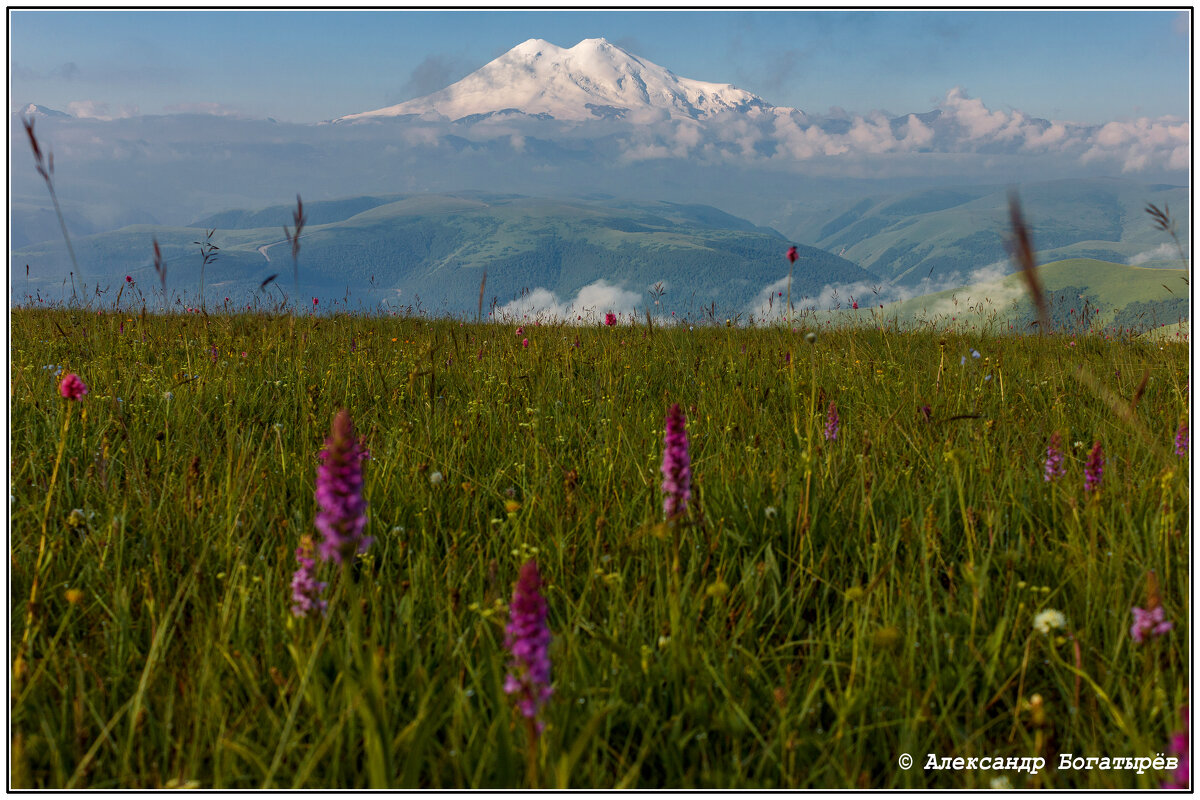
595 79
34 110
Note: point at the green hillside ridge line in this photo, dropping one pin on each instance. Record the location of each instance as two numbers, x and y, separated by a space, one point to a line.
1114 287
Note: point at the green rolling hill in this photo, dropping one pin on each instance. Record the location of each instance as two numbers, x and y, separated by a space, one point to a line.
436 248
936 233
1079 291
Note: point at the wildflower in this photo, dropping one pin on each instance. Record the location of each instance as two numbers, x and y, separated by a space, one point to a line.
435 478
129 279
1094 470
610 319
343 512
72 387
527 638
1180 746
791 254
1181 440
676 467
1049 620
810 337
1054 468
927 413
314 301
1149 622
974 354
77 520
74 596
520 331
524 343
854 304
832 423
306 591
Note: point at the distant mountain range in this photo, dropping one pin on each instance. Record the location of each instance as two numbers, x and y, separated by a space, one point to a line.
431 251
916 202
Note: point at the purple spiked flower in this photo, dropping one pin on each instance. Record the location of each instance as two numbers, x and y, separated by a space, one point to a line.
343 511
1149 622
1094 470
832 423
1180 747
1054 457
676 466
306 590
1181 440
528 640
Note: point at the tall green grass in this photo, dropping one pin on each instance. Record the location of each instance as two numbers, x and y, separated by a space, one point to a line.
838 603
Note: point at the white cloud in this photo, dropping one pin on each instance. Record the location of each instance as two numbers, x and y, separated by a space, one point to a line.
971 114
1164 252
983 288
212 109
1142 144
591 302
93 109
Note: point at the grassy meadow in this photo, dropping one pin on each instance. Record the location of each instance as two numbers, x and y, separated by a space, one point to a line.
826 605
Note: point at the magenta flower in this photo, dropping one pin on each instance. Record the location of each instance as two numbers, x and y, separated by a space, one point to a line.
129 279
72 386
791 254
1181 440
832 423
1180 747
524 343
343 511
1151 622
527 638
1054 456
610 319
1094 470
306 590
676 466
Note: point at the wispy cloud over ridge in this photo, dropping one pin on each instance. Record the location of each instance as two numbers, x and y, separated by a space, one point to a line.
959 124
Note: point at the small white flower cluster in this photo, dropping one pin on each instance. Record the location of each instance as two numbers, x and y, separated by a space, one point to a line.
1049 620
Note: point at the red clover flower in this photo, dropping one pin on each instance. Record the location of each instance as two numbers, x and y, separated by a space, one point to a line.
72 386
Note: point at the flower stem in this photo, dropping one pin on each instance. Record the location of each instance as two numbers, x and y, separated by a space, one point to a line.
37 570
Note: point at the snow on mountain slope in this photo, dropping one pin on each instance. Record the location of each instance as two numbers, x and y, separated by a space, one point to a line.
594 79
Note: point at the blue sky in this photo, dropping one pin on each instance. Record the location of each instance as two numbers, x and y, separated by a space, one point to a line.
304 66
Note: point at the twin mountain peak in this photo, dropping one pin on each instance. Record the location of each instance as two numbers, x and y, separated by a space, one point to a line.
595 79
